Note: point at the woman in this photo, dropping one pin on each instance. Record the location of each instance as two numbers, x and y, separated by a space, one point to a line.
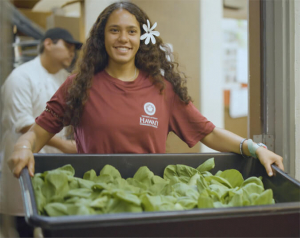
125 97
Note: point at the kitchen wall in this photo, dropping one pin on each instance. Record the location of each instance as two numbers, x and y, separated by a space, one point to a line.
92 10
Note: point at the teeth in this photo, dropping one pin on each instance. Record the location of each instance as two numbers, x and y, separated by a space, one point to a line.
122 49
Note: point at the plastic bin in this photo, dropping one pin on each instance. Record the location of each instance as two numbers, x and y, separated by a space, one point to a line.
278 220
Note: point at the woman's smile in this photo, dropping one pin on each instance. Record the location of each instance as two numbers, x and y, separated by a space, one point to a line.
123 49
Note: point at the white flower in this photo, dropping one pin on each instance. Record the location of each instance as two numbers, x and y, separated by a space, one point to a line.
149 33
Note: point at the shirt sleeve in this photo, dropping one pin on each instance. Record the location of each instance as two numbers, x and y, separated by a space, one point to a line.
188 123
17 100
52 117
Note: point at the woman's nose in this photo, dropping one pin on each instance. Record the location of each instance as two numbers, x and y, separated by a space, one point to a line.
123 37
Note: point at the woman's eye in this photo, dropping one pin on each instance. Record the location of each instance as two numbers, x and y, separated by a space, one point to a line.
132 32
114 30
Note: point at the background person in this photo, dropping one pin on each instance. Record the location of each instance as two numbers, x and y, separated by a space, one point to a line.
24 95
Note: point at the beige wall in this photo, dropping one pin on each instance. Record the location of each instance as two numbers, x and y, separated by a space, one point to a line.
211 67
235 125
254 120
92 9
179 23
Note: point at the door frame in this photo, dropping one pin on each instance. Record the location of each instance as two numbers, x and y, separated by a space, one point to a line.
272 77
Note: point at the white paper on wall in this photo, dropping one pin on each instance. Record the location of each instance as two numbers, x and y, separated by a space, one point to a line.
238 104
242 65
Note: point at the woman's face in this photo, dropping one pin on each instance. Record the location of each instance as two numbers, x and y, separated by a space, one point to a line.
122 37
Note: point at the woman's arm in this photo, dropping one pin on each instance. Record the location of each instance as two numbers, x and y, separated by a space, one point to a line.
226 141
65 146
30 142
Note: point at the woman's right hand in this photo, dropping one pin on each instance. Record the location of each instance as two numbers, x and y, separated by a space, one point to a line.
30 142
21 158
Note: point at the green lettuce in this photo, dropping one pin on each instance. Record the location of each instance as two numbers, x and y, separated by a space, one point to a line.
59 193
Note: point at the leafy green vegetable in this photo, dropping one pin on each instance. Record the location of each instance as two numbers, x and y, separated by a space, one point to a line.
59 193
158 203
233 176
144 176
90 175
56 209
116 205
110 171
205 202
38 183
207 165
183 173
264 198
56 185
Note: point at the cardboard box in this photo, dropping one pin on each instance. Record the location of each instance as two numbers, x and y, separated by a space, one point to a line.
29 4
40 18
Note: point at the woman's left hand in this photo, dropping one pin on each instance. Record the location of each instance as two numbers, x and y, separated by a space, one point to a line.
267 158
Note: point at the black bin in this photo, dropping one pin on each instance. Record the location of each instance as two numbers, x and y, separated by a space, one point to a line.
278 220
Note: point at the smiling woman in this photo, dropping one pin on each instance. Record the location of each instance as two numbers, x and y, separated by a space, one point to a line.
119 101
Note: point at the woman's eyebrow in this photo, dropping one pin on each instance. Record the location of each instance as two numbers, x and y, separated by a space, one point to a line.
132 27
115 25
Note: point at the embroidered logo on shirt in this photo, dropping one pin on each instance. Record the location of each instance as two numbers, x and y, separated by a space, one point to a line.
150 110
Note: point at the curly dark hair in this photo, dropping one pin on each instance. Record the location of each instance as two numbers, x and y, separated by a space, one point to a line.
154 59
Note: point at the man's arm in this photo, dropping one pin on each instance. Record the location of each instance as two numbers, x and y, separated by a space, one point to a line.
65 146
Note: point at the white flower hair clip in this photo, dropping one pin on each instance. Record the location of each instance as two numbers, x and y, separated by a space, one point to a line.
149 33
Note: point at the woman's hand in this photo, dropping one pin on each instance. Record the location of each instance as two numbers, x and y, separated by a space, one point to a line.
22 157
267 158
226 141
26 145
19 159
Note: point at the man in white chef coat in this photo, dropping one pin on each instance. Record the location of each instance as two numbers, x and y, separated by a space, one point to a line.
24 96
